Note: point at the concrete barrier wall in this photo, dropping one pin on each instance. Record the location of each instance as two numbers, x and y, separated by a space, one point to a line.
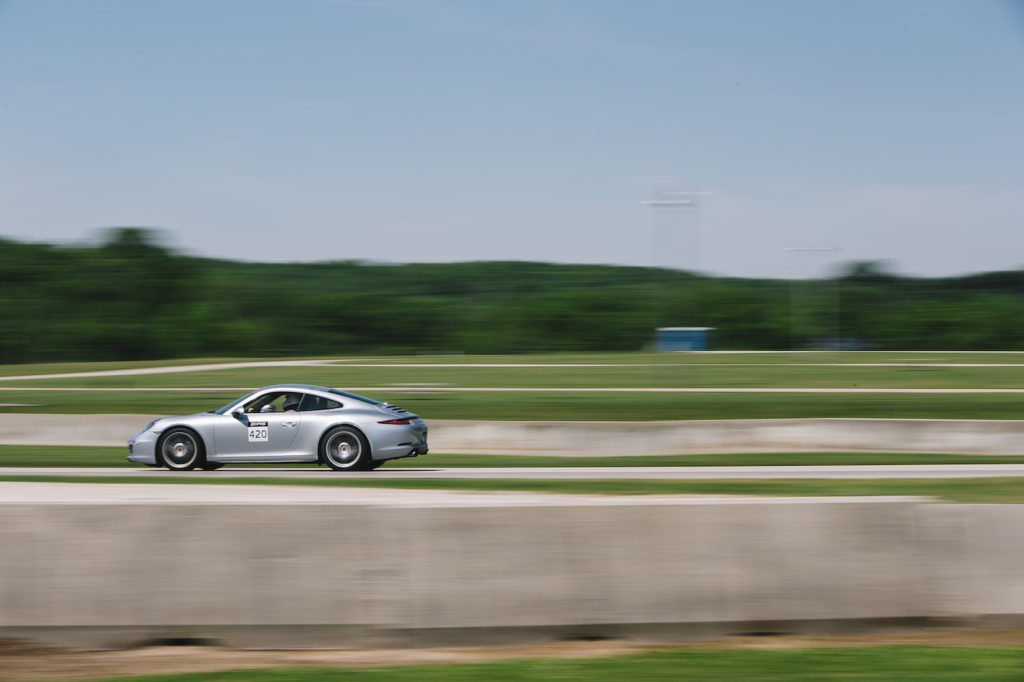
503 569
71 429
980 437
607 439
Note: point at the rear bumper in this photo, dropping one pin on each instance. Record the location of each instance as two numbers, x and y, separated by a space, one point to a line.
411 449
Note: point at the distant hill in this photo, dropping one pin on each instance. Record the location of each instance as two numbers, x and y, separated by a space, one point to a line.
131 298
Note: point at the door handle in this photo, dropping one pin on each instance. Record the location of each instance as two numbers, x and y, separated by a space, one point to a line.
288 425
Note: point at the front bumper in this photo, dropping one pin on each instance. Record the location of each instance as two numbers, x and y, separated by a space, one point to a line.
142 448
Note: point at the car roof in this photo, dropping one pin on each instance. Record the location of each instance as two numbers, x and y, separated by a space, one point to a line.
302 387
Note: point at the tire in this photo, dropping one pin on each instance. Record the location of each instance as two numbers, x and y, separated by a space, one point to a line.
374 464
181 449
344 448
211 466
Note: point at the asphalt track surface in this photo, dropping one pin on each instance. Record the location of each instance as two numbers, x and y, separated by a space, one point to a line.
866 471
60 493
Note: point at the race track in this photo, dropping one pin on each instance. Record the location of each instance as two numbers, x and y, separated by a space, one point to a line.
394 472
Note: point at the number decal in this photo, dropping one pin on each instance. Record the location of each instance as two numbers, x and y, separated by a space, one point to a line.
258 434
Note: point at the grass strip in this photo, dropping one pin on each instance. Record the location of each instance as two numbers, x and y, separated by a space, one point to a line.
860 664
712 460
64 456
640 370
1002 490
559 406
114 457
572 376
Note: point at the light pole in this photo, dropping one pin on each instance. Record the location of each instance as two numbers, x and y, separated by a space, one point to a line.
669 207
672 204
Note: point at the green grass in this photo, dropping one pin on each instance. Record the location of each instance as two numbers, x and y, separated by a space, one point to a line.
864 664
560 406
616 358
713 460
100 457
112 402
599 370
429 389
966 490
641 375
708 358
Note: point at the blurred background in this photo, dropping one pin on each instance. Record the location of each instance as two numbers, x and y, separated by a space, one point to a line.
362 192
388 177
131 297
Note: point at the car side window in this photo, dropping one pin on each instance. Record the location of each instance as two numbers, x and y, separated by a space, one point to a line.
279 401
264 403
311 403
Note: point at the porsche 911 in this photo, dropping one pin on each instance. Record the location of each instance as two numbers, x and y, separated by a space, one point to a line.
281 424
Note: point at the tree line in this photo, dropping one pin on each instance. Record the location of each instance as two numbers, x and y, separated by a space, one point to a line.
129 297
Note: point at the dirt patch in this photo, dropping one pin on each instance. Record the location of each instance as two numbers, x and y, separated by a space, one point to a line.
21 661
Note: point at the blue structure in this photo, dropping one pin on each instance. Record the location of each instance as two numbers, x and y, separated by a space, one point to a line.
682 338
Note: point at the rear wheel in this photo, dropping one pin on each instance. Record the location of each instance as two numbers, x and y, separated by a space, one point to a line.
211 466
181 449
344 448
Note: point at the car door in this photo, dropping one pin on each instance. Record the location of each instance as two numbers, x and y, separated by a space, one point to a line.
262 435
271 433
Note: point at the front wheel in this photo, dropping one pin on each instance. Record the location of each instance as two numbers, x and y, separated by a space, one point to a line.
181 449
345 449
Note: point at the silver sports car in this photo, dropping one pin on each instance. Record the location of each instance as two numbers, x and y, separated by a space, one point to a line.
285 423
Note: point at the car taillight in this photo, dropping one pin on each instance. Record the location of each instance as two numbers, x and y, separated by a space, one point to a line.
397 422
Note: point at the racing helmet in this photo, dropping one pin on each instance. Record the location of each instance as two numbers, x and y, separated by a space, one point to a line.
291 402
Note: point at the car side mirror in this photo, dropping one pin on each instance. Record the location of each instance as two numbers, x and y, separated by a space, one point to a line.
240 416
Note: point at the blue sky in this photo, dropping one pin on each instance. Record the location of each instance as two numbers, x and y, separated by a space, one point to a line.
453 130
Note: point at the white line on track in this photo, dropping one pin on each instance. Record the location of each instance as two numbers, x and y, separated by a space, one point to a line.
174 369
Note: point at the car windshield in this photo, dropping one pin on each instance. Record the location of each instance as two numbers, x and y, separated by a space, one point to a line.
233 403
